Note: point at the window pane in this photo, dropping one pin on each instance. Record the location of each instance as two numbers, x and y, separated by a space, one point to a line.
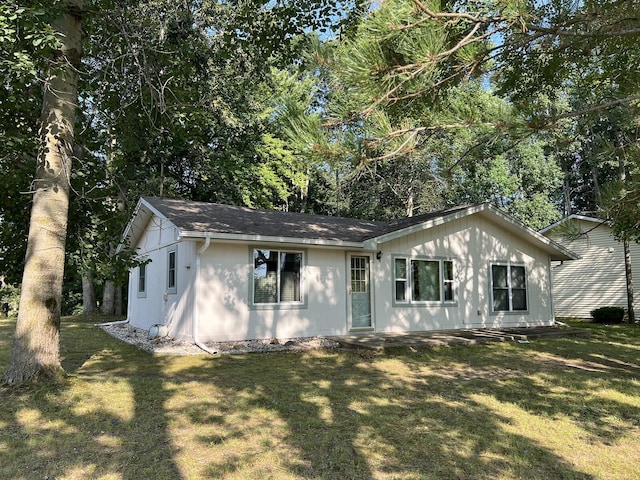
448 292
519 299
265 276
448 270
499 276
401 290
290 267
401 268
142 280
171 282
426 280
517 277
359 275
500 300
447 267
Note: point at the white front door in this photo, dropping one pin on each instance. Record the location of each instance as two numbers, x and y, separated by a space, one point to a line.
359 292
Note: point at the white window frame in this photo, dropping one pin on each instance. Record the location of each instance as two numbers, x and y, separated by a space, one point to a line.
408 281
172 287
509 288
278 304
142 280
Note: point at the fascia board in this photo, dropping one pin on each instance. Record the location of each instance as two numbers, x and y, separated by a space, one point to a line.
128 230
584 218
137 217
556 250
184 235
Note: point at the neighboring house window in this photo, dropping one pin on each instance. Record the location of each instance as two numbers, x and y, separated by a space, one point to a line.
508 288
142 280
277 277
172 272
420 281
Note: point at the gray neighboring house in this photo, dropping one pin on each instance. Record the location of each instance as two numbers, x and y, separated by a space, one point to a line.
219 272
598 278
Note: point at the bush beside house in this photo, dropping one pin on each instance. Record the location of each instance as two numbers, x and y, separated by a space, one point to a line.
608 315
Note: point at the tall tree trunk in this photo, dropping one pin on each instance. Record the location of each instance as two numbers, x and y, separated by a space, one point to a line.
89 303
629 275
108 298
36 345
118 301
628 269
566 194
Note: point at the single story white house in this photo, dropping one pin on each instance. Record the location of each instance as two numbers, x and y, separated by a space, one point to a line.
219 272
598 278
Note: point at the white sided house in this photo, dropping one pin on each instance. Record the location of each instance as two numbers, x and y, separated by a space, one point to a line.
218 272
598 278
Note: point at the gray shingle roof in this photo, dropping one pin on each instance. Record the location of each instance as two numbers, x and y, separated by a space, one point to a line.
215 218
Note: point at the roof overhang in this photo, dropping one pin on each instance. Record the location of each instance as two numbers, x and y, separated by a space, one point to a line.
134 230
491 213
144 212
184 235
564 220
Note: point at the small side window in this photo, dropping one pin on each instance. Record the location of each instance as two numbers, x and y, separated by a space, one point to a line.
172 272
142 280
400 266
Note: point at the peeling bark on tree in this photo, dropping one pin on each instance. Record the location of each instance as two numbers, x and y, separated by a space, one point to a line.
35 353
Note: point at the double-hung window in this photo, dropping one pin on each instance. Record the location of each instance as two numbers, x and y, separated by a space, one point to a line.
508 288
424 280
277 277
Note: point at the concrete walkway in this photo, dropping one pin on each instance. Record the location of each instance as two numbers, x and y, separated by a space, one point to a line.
380 341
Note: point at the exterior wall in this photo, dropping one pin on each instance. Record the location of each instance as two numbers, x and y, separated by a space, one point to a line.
215 291
223 302
159 305
224 305
473 244
598 278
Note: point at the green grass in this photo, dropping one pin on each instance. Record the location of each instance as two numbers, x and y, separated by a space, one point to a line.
566 408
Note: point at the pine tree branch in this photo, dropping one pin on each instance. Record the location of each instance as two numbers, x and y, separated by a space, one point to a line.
594 108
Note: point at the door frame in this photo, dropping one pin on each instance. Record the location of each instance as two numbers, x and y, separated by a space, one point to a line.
369 256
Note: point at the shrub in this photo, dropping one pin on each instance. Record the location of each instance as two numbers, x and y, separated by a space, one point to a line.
608 314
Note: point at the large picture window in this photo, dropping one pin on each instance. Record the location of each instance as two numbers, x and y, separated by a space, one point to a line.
423 280
508 288
277 277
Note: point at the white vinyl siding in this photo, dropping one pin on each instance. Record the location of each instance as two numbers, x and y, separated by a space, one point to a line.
598 278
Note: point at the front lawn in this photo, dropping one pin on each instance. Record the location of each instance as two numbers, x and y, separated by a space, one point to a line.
557 408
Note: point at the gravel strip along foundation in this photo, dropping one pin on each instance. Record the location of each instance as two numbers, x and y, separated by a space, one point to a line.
170 346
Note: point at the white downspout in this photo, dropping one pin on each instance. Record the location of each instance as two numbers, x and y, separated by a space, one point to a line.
196 313
108 324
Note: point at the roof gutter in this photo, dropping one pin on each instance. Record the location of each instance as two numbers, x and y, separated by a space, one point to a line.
270 239
196 310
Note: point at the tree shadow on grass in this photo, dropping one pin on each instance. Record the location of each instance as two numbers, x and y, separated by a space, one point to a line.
67 430
428 414
348 416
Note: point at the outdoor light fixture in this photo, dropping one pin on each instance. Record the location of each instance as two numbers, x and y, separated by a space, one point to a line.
379 254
